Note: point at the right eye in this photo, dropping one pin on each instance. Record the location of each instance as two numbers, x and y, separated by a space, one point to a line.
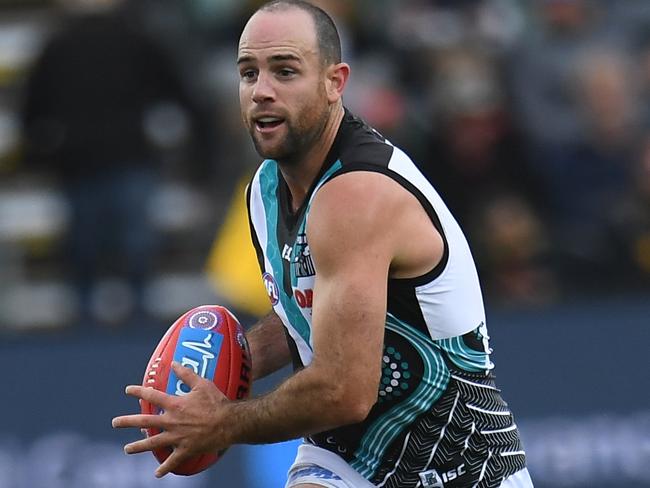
248 74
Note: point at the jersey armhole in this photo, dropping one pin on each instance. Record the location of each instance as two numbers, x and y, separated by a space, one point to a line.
437 270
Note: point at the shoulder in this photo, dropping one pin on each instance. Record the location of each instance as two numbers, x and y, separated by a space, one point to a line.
357 190
355 206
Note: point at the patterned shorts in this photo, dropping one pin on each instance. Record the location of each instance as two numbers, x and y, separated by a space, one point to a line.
323 468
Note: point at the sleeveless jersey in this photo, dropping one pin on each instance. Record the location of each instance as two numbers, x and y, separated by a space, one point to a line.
439 420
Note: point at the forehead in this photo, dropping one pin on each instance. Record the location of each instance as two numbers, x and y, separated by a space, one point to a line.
291 29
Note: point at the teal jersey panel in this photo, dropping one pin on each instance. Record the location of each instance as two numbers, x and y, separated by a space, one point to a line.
269 185
389 426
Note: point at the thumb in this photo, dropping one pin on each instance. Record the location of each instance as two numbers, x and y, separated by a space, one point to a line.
186 375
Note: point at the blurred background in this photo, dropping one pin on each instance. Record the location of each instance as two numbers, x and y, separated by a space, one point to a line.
122 160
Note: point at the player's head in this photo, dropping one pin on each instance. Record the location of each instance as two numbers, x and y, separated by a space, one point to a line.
291 77
327 36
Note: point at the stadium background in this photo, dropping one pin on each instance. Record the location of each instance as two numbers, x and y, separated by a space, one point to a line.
531 117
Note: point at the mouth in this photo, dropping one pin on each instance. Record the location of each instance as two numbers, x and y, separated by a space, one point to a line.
268 123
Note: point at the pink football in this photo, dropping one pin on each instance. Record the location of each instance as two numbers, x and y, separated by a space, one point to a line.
211 341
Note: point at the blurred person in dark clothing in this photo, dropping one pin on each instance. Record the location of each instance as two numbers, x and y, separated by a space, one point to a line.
578 103
478 162
589 177
631 222
543 69
513 246
475 144
92 115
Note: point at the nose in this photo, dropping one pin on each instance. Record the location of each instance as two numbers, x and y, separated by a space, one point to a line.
263 90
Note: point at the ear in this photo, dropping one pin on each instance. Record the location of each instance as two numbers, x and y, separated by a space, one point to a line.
336 78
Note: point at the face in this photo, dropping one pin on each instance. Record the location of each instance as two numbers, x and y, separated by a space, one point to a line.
282 90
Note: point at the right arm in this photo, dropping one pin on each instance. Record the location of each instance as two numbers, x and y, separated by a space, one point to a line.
268 346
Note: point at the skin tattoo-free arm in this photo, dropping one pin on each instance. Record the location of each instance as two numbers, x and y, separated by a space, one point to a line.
268 346
352 256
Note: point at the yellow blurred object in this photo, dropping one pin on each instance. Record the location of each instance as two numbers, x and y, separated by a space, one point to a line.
642 252
232 265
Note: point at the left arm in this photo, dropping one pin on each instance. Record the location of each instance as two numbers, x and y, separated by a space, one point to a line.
352 253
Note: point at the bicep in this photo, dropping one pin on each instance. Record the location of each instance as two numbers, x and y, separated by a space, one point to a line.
349 313
352 253
349 307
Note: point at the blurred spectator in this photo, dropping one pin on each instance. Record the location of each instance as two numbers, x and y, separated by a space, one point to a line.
420 31
644 74
474 145
588 176
514 249
101 102
631 223
544 69
480 166
576 95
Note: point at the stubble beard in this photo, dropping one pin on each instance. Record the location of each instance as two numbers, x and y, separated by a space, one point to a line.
297 142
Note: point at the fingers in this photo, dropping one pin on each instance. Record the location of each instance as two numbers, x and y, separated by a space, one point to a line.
193 380
151 395
165 423
149 444
186 375
141 421
174 460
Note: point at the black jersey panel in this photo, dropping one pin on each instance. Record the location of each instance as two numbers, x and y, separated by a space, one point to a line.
403 304
400 356
256 243
372 153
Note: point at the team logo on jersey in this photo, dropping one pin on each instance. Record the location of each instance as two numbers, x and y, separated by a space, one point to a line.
271 288
302 262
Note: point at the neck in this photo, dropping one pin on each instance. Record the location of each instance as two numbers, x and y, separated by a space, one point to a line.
300 175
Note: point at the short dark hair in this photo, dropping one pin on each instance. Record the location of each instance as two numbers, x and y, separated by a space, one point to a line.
327 36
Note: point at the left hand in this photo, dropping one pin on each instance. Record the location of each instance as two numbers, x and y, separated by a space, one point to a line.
192 424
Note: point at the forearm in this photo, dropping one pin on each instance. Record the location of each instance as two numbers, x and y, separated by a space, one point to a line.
304 404
268 346
339 387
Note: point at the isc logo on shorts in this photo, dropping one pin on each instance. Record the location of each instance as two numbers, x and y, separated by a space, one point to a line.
431 478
